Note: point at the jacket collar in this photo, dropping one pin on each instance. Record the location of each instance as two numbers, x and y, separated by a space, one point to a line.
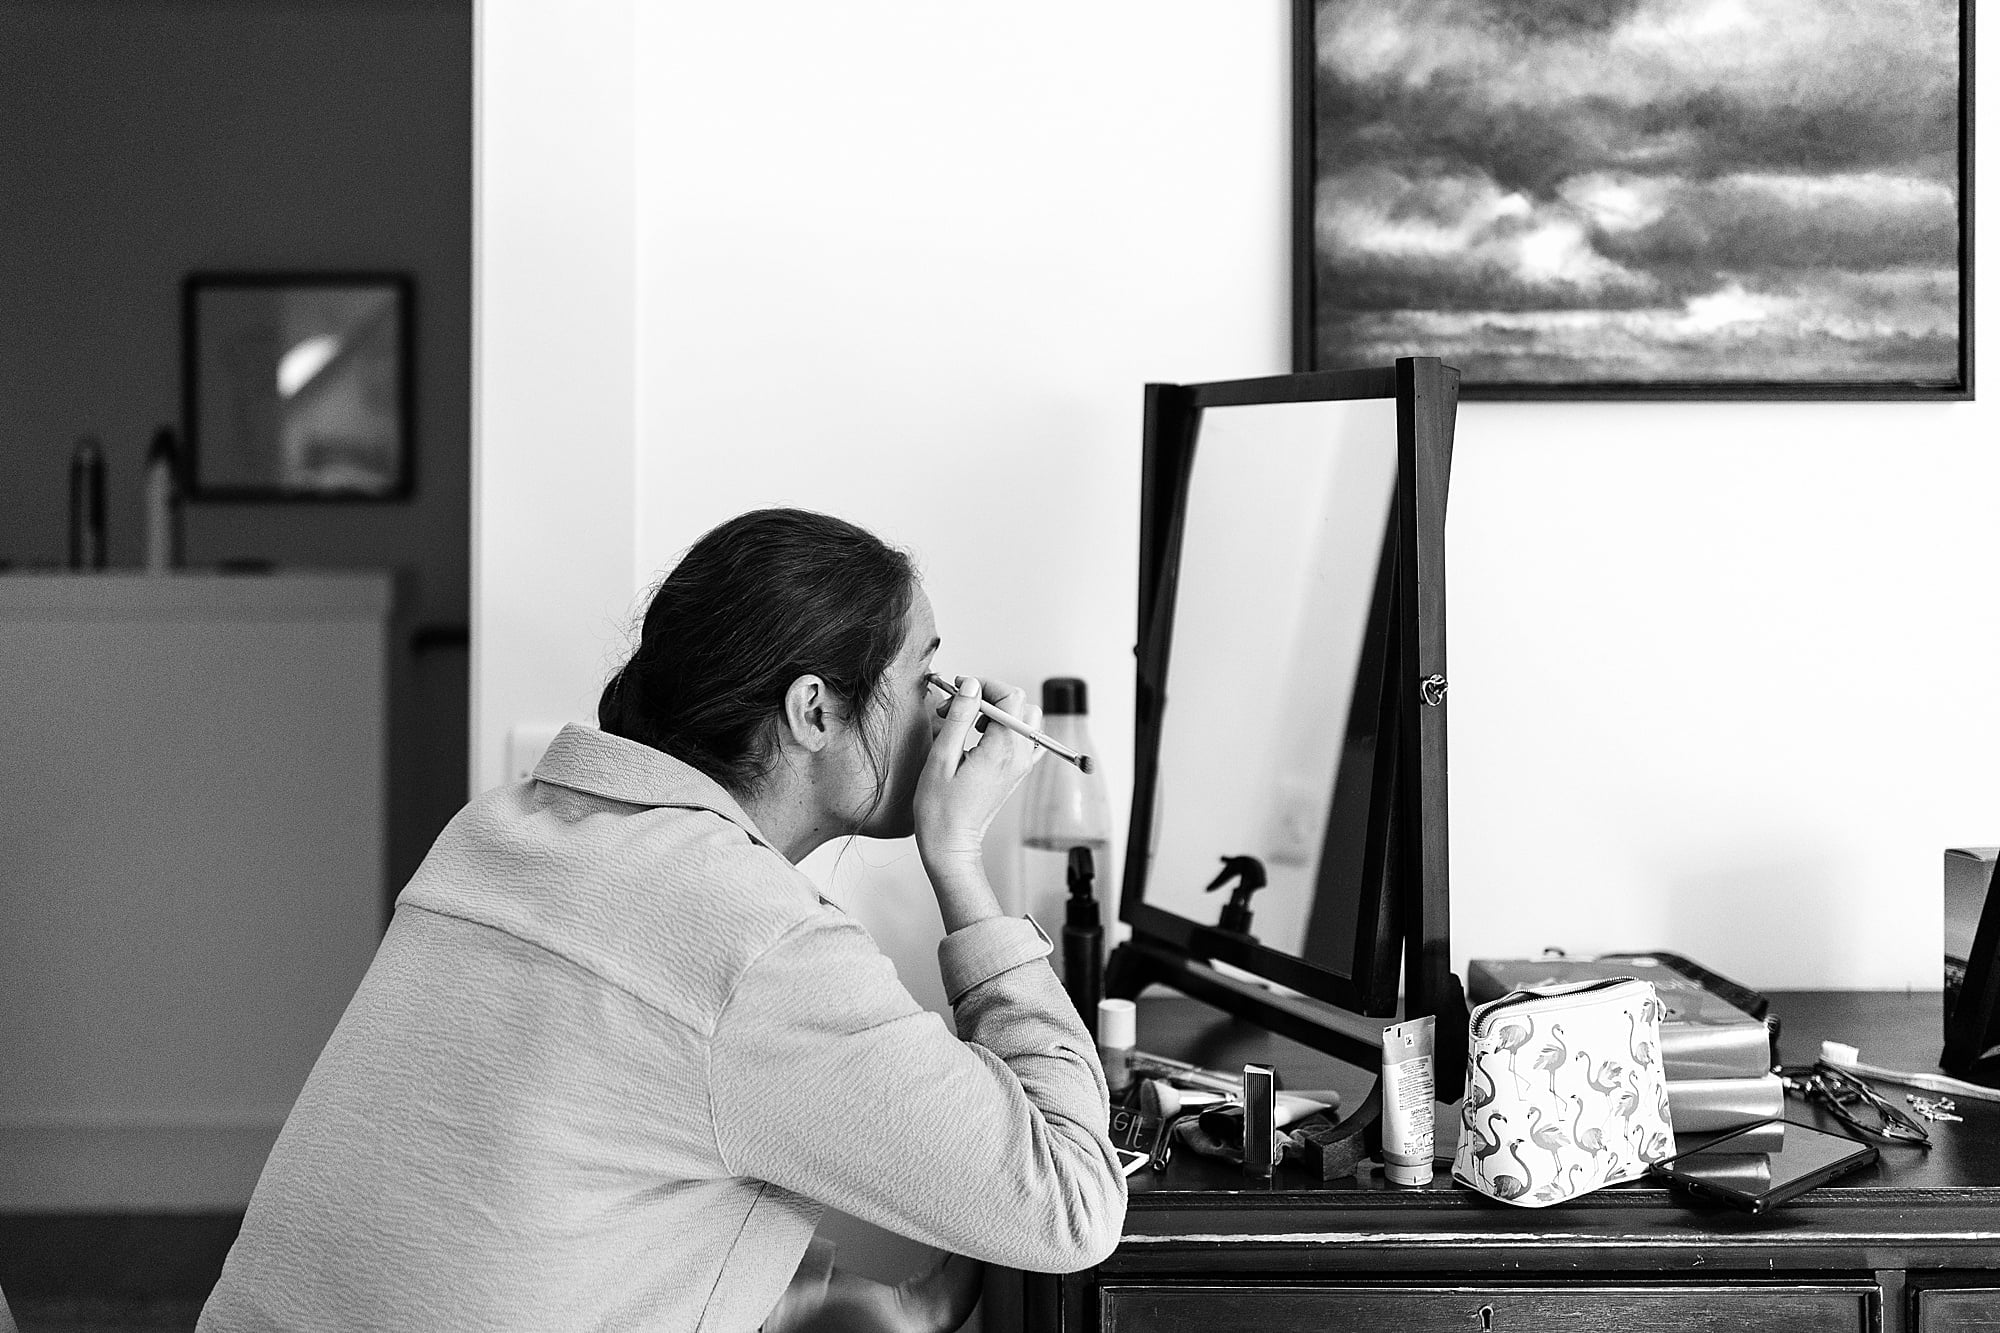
588 760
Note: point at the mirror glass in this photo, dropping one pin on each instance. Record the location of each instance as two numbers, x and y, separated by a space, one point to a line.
1288 514
298 389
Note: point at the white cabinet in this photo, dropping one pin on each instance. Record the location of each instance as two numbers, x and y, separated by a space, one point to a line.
191 870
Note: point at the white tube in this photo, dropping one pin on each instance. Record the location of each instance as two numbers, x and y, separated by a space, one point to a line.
1117 1034
1409 1097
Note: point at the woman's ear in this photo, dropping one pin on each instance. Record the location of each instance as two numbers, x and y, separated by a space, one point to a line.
808 717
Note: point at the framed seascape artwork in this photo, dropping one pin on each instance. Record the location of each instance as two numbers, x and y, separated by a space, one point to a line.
1638 198
297 386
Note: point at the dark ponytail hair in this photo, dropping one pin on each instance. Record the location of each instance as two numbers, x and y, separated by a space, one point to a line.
759 601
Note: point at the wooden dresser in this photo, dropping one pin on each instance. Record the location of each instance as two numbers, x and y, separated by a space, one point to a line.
1910 1244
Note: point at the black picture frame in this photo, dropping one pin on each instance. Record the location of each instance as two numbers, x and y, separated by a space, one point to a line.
1365 305
1972 982
298 386
1402 942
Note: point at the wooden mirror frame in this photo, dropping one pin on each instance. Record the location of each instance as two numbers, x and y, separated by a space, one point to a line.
1407 917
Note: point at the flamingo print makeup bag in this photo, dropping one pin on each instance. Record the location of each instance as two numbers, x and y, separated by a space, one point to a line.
1564 1092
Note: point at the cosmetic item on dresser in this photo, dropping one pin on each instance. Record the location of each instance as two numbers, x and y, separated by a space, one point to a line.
1145 1064
1117 1033
1260 1128
1063 807
1409 1100
1844 1056
163 503
1704 1033
86 504
1083 939
1564 1092
1717 1042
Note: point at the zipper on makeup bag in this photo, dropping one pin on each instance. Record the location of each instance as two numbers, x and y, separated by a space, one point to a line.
1584 993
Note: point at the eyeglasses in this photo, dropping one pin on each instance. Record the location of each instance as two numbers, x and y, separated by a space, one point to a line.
1854 1104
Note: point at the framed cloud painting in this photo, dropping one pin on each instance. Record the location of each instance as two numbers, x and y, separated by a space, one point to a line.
1638 198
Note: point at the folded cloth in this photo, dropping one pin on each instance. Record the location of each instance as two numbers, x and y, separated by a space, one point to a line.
1218 1132
1208 1124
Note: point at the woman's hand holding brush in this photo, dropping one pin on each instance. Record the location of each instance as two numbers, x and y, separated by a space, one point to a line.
962 789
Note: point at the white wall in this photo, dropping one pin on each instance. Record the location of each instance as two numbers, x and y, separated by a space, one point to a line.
913 265
1722 680
553 350
1721 672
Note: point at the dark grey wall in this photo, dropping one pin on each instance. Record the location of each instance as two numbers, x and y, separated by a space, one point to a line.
142 139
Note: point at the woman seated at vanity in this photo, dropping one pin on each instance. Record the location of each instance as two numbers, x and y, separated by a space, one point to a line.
615 1053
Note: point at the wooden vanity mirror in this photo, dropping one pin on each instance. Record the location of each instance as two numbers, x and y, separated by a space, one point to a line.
1291 706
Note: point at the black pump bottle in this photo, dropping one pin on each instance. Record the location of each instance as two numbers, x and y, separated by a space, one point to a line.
1083 940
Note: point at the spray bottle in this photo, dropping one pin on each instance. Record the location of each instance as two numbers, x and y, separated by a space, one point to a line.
1063 806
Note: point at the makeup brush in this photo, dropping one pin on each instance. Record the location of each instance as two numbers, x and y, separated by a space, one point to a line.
1017 726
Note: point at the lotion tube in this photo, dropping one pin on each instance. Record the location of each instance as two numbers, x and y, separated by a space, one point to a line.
1409 1094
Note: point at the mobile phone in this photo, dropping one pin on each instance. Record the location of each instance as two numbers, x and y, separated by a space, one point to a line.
1759 1181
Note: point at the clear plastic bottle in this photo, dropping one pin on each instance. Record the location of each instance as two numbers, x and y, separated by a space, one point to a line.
163 504
1064 807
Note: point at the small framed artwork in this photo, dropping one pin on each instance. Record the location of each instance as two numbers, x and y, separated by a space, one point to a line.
1638 198
297 386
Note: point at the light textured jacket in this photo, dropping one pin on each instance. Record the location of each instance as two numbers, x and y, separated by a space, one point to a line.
614 1055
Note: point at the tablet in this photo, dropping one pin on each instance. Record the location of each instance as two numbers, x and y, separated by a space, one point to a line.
1759 1181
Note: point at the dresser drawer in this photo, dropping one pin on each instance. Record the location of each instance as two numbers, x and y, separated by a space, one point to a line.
1490 1308
1958 1310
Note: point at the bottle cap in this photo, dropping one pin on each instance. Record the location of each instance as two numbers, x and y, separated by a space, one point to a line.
1080 872
1117 1024
1064 695
163 445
